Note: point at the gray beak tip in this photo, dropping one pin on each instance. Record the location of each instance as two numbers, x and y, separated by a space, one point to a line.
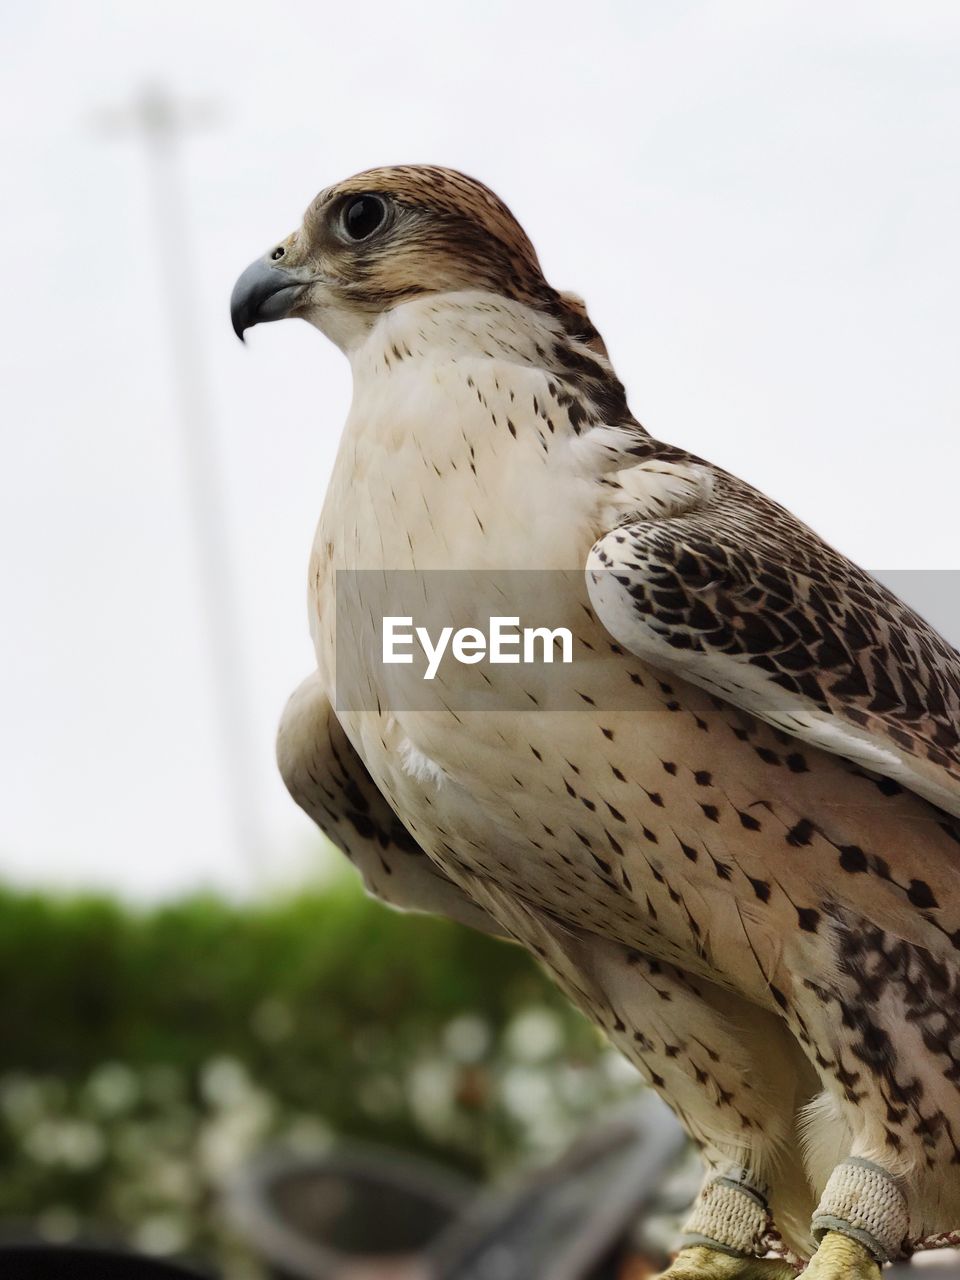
262 293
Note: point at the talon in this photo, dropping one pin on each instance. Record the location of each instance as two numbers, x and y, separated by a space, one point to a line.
841 1257
698 1262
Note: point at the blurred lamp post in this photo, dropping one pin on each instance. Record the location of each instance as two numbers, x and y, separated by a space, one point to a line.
161 121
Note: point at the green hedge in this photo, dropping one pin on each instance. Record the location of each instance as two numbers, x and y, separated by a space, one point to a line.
144 1055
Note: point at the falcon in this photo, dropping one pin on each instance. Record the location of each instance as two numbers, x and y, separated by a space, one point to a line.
739 851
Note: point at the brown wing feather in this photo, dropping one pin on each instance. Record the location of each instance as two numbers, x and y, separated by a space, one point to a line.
742 598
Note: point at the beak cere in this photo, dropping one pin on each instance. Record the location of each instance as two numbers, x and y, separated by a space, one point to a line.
263 292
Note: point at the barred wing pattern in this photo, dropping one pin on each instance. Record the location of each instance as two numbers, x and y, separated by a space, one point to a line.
739 597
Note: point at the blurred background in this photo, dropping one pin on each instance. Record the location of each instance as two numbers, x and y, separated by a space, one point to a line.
759 200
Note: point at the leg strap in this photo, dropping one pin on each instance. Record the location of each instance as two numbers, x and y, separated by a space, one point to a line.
730 1214
863 1201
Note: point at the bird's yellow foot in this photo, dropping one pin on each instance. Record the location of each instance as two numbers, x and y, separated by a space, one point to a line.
842 1258
699 1262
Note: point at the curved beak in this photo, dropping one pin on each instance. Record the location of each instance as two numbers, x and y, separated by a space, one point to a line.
263 292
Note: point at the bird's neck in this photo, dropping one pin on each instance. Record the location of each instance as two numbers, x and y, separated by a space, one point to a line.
557 340
479 437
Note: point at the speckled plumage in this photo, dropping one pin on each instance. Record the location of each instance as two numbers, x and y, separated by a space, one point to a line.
749 875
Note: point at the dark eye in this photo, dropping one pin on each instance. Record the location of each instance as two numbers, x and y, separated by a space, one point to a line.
362 216
278 253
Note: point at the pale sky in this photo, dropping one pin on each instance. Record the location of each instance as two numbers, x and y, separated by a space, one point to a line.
759 200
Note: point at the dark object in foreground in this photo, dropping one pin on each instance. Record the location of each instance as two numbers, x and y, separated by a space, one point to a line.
69 1262
372 1215
360 1211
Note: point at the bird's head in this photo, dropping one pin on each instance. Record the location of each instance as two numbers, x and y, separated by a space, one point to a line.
387 236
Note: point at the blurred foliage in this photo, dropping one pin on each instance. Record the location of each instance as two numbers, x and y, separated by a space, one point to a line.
145 1056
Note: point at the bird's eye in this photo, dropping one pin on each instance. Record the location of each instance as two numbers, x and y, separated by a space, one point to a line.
362 216
278 253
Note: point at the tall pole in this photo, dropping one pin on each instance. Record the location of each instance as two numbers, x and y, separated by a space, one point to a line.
161 122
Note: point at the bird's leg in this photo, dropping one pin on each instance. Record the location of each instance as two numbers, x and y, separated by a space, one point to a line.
840 1257
861 1222
702 1262
723 1237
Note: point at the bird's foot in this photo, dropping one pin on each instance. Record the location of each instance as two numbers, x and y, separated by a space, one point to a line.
699 1262
841 1257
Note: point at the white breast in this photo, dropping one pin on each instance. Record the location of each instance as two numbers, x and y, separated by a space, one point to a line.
450 458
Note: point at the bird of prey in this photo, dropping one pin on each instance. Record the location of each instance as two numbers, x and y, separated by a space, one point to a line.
740 854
